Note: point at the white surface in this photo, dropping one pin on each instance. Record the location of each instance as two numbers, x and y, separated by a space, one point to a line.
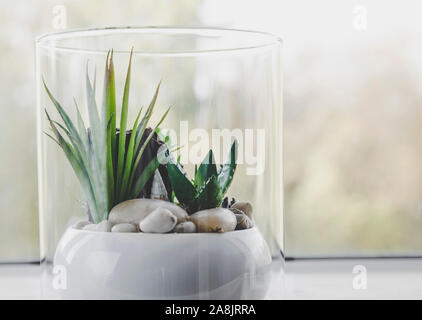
304 279
334 278
20 281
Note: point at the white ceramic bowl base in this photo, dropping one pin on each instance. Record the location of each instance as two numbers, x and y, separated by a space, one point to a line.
105 265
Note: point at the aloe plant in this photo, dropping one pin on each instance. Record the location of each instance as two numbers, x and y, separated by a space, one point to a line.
103 162
209 185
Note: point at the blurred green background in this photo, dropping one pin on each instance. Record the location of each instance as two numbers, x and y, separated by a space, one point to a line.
352 113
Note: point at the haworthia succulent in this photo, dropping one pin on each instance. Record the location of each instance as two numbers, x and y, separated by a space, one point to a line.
209 185
184 190
210 195
206 170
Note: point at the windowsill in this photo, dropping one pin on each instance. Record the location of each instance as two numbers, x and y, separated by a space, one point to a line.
302 279
20 281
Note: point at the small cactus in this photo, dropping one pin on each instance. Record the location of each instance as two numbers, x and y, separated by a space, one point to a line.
209 185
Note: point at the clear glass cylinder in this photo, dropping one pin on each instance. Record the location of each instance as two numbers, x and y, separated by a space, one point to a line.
224 91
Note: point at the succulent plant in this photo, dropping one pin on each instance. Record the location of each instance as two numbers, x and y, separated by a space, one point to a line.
209 185
106 163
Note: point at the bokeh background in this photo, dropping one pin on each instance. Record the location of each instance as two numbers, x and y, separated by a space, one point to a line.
352 113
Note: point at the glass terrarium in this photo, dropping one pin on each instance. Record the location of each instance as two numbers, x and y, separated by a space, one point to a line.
160 162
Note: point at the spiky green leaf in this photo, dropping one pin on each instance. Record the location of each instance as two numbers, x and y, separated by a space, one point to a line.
147 173
226 172
209 196
79 170
183 188
144 122
141 151
109 127
206 170
99 155
123 124
129 158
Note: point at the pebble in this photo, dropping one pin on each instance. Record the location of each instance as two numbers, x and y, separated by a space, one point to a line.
81 224
243 221
135 210
90 227
124 227
104 226
161 220
244 206
214 220
185 227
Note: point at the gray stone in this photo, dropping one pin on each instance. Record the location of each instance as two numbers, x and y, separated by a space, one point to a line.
185 227
135 210
214 220
124 227
104 226
244 206
160 220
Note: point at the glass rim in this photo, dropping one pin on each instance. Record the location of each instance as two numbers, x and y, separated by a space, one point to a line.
44 40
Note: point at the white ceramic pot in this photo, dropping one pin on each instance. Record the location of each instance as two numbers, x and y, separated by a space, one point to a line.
105 265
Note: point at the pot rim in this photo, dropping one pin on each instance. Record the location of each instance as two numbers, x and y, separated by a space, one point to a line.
169 234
